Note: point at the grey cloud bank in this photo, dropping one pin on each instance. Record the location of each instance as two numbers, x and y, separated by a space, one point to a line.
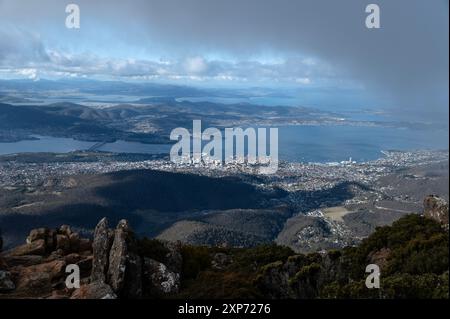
298 42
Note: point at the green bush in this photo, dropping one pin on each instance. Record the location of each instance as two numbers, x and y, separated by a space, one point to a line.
220 285
416 267
253 258
152 248
195 260
425 286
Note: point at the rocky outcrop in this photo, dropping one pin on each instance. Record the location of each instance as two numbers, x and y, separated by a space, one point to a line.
24 261
220 261
115 262
36 247
173 259
160 279
6 283
436 208
101 245
118 265
274 281
44 241
37 280
118 255
44 234
133 277
299 277
110 265
95 290
380 257
36 269
395 249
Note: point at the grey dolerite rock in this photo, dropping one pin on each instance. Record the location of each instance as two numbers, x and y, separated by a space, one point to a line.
161 279
95 290
118 255
101 246
436 208
6 283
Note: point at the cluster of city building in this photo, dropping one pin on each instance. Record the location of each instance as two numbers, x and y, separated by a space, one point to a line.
290 176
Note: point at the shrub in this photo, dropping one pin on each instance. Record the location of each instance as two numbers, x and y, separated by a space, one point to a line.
195 260
152 248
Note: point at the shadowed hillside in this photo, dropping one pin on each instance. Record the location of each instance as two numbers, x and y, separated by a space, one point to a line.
150 200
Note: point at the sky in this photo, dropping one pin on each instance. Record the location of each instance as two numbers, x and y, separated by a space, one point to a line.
305 44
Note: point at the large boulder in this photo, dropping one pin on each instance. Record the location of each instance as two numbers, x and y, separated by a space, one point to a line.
221 261
45 234
25 261
72 258
380 257
85 266
38 233
94 290
85 246
3 264
174 258
6 283
63 243
37 247
115 261
118 255
436 208
65 230
101 246
133 277
159 279
110 265
38 280
59 294
74 242
273 281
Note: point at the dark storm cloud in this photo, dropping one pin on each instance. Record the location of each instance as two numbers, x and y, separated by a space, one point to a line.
407 59
21 46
